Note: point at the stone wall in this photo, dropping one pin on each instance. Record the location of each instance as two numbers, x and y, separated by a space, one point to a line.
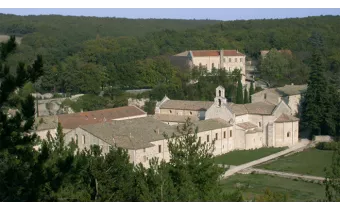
137 102
322 138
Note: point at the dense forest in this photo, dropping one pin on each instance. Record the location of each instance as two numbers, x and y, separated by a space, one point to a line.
86 54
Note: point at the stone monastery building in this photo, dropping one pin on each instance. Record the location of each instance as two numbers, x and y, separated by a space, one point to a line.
233 126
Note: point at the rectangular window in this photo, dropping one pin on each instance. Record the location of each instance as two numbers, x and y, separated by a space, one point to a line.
229 59
199 138
207 138
235 59
216 136
144 150
212 66
224 134
231 133
240 59
159 148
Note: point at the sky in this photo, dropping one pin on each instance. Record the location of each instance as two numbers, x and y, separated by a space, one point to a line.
213 14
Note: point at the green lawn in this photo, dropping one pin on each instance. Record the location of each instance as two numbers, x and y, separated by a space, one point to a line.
244 156
310 162
255 184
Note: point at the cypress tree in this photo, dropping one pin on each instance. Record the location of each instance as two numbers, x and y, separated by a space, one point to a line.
315 101
246 97
251 90
239 93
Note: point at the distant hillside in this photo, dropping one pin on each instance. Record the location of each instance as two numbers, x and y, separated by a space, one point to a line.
57 37
130 53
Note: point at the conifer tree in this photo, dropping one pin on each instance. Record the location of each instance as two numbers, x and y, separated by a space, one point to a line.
20 165
315 99
239 93
251 90
246 97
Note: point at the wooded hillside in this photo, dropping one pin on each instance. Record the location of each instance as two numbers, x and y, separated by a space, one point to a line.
133 53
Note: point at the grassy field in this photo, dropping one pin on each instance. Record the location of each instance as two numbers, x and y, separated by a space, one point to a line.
254 185
244 156
310 162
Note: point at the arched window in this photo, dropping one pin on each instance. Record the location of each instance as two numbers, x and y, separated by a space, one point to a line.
288 134
84 139
219 93
219 102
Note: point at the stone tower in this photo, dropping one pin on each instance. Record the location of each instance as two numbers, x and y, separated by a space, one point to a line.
220 98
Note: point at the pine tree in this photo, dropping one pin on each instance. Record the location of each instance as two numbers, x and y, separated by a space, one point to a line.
251 90
20 165
245 100
239 93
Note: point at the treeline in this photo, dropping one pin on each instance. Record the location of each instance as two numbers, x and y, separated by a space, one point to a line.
138 62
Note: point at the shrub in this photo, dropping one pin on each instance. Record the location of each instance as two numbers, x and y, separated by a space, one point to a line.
326 145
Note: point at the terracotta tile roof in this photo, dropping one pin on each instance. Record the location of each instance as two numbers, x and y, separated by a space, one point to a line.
286 118
71 121
130 134
204 53
246 125
174 118
187 105
261 108
238 109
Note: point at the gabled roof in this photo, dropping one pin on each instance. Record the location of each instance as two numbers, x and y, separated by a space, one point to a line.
211 124
289 90
174 118
204 53
187 105
286 118
130 134
260 108
246 125
71 121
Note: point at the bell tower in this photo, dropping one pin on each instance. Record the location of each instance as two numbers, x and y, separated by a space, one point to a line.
220 99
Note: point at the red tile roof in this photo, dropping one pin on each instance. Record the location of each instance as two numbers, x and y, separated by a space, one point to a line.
204 53
71 121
